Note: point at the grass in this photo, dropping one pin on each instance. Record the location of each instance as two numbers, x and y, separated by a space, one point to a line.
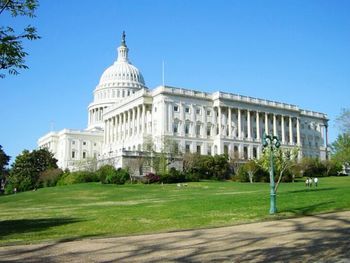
90 210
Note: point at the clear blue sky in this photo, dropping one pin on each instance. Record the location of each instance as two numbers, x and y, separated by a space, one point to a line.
296 52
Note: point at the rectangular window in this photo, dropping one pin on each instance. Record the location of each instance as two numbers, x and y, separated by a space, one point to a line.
84 155
198 149
187 129
187 109
73 154
198 129
208 131
198 111
73 142
187 148
84 143
176 108
208 112
175 127
209 150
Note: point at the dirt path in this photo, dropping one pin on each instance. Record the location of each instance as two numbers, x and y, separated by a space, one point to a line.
321 238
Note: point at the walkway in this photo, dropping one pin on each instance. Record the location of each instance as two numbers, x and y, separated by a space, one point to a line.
321 238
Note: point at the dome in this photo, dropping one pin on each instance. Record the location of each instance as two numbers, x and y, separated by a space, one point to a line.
122 73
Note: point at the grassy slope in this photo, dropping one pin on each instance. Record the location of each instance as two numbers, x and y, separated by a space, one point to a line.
86 210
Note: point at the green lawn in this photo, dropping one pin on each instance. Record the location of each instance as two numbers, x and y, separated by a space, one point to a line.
87 210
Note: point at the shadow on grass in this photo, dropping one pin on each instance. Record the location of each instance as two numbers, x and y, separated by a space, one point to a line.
306 210
310 190
17 226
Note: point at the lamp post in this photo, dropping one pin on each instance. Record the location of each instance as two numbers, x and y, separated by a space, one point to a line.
272 142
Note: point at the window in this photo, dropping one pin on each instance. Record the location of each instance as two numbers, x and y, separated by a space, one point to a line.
225 149
187 109
187 128
84 155
208 112
209 150
198 149
73 154
84 143
198 129
187 148
73 142
198 111
175 128
95 144
208 131
155 109
176 108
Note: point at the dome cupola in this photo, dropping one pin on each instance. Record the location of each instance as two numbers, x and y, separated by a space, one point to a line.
122 73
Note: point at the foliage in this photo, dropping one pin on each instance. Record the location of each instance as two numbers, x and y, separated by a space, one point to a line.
343 121
77 177
50 177
106 171
120 177
12 54
208 167
152 178
341 148
173 176
251 172
27 168
4 161
284 161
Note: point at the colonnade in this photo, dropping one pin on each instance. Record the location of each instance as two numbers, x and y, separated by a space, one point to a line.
126 124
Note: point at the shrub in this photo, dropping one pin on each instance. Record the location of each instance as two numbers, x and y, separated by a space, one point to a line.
50 177
106 171
119 177
172 176
152 178
77 177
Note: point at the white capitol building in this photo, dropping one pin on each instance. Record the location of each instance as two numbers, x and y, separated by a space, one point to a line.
125 115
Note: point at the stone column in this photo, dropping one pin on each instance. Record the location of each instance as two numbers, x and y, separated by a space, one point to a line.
266 123
282 130
229 122
248 125
274 125
257 126
239 124
133 120
170 117
105 132
298 131
143 121
219 120
326 126
290 130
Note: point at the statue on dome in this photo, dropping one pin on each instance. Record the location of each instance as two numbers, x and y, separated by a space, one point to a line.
123 39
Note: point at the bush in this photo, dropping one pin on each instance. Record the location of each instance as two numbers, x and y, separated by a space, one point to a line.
77 177
172 176
50 177
119 177
152 178
104 172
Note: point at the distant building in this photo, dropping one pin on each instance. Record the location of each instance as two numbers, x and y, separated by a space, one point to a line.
125 115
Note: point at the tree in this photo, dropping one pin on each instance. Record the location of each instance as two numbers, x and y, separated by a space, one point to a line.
12 54
284 160
251 167
343 121
28 166
4 161
341 148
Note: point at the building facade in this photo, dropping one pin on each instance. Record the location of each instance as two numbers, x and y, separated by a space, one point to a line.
125 116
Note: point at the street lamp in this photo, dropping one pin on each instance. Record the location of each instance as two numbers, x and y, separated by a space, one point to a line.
272 142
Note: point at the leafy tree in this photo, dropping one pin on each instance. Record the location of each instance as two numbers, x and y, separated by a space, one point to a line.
12 54
4 161
251 167
27 168
341 148
284 160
